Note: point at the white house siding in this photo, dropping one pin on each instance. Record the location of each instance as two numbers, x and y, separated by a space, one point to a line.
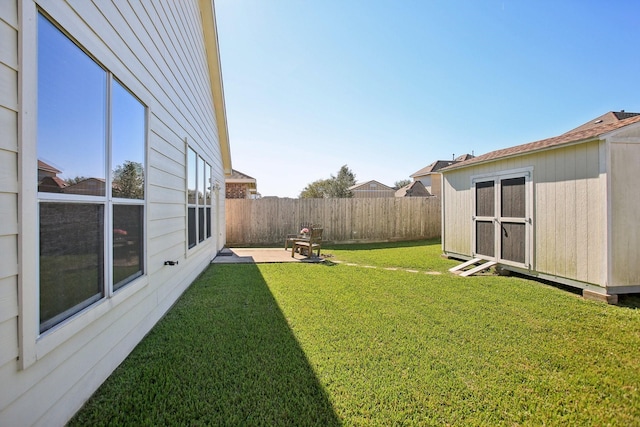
156 49
625 215
8 186
569 212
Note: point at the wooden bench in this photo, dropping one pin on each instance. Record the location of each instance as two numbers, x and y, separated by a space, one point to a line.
314 242
298 236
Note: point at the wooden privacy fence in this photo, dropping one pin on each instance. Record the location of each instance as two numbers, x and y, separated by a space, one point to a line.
267 221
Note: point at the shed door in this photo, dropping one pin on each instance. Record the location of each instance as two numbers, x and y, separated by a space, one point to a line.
512 220
485 218
501 224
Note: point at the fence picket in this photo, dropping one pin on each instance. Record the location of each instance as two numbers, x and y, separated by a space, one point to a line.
267 221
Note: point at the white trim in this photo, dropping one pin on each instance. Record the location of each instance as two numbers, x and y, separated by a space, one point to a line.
33 345
108 184
605 159
27 185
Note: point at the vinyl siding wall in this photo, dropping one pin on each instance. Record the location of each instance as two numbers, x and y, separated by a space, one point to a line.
8 186
156 49
569 220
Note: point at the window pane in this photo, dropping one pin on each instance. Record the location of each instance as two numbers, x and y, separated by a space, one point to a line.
127 244
201 186
513 197
71 259
208 221
71 116
485 198
200 224
485 238
207 183
191 219
128 143
191 176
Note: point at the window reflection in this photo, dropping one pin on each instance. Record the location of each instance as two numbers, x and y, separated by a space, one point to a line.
71 116
127 244
201 181
71 259
191 176
207 183
191 220
127 139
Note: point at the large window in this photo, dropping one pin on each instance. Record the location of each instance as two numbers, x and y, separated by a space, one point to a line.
198 199
91 179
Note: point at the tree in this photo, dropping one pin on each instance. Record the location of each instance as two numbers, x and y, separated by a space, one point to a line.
336 186
316 190
128 181
340 184
399 184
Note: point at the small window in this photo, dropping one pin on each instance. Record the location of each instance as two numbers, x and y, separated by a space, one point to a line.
198 199
192 189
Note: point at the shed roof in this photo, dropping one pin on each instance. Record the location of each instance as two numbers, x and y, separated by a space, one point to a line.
569 138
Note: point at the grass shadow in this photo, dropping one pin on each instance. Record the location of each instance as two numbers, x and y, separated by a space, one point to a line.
223 355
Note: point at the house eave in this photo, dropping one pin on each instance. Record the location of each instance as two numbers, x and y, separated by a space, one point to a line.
208 16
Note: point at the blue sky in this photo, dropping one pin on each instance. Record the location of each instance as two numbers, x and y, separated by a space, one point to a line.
387 87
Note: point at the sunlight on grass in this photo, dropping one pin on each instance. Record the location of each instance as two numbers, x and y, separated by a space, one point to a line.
328 344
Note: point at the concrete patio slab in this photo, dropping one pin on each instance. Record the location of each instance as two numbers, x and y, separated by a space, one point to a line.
259 256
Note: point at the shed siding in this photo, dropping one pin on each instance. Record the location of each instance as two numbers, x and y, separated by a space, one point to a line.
569 227
156 50
625 208
8 187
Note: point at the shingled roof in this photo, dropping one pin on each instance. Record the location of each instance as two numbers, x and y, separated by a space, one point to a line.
606 118
544 144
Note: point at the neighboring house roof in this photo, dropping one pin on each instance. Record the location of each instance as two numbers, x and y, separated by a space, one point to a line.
366 186
47 167
464 157
544 144
51 184
607 118
433 167
237 177
415 189
439 164
210 32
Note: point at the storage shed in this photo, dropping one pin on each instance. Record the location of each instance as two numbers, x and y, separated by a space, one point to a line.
564 209
113 155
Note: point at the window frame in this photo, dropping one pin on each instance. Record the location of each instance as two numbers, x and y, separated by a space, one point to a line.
202 200
33 345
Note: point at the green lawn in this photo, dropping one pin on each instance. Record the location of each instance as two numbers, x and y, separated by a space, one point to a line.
348 344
